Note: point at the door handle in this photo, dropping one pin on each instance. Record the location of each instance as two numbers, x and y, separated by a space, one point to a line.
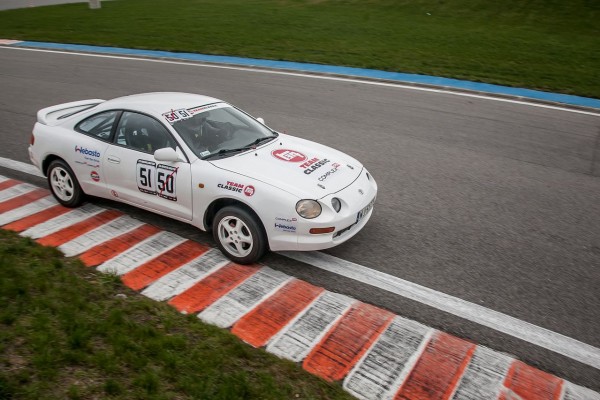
114 159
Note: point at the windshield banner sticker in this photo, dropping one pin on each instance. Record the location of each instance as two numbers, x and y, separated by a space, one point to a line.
176 115
201 109
158 180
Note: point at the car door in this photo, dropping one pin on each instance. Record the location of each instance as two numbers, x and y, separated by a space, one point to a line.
90 144
133 174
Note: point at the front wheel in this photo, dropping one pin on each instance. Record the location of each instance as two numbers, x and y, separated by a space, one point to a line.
64 184
239 235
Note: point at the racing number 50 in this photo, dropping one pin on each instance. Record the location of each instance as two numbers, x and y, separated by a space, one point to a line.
158 180
165 177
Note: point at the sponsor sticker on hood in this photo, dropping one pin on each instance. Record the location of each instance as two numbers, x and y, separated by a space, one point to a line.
307 170
288 155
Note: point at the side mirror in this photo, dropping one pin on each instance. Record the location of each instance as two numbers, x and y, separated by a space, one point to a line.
259 119
166 154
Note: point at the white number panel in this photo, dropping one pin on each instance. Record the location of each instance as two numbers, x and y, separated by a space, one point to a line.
159 180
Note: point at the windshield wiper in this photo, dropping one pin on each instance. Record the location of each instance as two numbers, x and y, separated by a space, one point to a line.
224 151
260 140
244 148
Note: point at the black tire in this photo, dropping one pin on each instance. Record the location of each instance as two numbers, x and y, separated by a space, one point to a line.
239 235
64 185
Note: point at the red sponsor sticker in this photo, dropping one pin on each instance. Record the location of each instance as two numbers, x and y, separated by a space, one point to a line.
95 176
288 155
249 190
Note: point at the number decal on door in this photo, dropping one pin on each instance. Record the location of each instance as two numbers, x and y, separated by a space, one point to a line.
146 176
158 180
165 177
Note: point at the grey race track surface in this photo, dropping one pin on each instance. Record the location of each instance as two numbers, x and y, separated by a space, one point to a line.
495 203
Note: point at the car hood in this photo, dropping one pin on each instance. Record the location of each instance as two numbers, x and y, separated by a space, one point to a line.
300 167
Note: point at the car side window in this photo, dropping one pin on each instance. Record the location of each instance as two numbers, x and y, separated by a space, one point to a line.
143 133
98 125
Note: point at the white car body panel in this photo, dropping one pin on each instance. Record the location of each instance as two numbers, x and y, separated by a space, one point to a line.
270 179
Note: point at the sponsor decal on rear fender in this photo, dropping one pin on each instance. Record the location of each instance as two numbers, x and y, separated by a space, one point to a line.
83 150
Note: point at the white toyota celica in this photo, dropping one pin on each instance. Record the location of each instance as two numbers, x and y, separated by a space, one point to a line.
205 162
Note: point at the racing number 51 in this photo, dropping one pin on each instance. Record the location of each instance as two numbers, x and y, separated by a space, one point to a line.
158 179
146 173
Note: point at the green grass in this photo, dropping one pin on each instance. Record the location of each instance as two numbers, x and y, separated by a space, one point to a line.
65 335
542 44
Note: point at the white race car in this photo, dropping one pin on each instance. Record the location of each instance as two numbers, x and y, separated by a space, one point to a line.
203 161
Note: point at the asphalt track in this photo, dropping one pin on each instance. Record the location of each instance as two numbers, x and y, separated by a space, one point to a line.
492 202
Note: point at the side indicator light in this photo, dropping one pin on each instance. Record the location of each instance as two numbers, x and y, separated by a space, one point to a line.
32 139
317 231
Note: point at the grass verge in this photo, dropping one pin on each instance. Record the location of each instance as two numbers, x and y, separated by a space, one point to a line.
542 44
65 335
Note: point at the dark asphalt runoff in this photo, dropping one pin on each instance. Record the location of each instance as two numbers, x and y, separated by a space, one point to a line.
492 202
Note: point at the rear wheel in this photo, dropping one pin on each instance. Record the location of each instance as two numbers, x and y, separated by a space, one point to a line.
64 184
239 235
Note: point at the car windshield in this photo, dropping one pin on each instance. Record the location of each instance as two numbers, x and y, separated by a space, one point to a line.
218 130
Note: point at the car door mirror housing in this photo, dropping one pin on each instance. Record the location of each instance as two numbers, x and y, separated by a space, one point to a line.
166 154
261 120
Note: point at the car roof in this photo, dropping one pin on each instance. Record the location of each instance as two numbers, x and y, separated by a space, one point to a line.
159 102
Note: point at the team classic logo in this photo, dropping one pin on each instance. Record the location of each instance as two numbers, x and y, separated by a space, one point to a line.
238 188
82 150
249 190
288 155
313 164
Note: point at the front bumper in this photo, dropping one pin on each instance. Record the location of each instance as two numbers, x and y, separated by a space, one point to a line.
354 198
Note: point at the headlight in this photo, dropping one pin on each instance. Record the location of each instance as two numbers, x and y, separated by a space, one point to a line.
336 204
308 209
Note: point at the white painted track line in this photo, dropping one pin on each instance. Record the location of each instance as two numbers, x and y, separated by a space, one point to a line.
536 335
356 80
385 365
539 336
20 167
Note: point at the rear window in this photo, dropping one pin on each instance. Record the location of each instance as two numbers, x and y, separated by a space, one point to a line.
98 125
